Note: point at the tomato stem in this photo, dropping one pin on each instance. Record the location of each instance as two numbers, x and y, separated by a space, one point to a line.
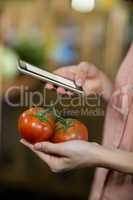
41 115
58 117
66 124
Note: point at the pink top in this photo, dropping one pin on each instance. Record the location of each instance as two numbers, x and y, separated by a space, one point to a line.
118 133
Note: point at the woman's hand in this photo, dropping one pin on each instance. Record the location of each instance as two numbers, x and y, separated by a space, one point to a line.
66 156
76 154
88 77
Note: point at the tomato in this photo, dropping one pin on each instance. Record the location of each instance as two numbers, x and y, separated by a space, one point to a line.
70 129
36 125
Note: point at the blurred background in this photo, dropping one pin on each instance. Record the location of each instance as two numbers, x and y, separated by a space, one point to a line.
50 34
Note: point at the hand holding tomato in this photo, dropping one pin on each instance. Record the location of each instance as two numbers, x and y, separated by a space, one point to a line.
68 155
38 124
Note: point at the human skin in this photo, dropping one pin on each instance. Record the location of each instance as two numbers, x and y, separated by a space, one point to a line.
77 154
90 78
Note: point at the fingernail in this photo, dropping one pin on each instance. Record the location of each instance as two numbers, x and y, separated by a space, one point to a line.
37 146
69 93
79 82
49 86
21 141
61 90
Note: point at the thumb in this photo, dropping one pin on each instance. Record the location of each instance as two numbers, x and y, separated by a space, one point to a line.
49 148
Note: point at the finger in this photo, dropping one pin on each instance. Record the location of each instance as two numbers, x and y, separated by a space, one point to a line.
27 144
67 72
49 148
70 94
30 146
92 71
49 86
42 156
92 87
81 74
61 90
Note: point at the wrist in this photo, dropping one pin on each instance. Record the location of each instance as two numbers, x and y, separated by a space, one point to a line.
95 155
104 157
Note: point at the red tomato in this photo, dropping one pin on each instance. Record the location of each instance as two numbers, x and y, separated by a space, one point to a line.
70 129
36 125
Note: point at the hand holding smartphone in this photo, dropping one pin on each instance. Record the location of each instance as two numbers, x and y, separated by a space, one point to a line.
46 76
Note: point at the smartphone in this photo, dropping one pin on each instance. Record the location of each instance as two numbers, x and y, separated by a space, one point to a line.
46 76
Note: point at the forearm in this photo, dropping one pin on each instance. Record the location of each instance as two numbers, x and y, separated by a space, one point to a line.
118 160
